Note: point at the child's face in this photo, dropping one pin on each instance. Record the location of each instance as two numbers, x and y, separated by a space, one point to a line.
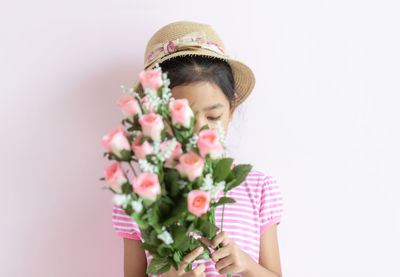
209 101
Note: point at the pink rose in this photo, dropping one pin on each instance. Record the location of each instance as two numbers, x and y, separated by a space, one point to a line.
116 141
152 125
151 79
151 108
129 105
181 113
115 176
141 150
198 202
171 47
208 143
147 186
175 154
190 165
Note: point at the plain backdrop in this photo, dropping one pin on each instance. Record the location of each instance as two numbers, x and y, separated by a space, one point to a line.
323 119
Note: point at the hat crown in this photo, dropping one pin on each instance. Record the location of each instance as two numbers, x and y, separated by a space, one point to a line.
179 29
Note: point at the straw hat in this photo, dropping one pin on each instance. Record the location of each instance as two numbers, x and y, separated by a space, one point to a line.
183 38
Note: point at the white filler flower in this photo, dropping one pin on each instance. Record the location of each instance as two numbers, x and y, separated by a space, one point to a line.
121 200
165 236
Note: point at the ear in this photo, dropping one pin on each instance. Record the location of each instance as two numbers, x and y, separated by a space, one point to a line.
233 108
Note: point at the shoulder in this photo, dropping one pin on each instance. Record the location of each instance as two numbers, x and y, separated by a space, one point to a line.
259 179
259 183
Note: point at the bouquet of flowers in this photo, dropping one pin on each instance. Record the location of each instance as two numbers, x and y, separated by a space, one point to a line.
181 171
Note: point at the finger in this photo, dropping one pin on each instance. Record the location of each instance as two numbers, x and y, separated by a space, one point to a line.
221 237
206 241
190 257
228 269
220 253
199 269
222 263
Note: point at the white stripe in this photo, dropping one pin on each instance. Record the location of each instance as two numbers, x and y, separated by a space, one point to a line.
244 213
277 211
249 221
121 215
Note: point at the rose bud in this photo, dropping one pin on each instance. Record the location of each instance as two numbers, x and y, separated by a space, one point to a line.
115 176
208 143
151 79
141 150
116 141
190 165
181 113
198 202
129 106
171 162
147 186
152 125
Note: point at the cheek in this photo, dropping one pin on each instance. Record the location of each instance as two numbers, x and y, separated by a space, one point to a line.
214 123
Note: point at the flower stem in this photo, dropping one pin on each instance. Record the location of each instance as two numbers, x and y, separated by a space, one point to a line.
222 223
134 172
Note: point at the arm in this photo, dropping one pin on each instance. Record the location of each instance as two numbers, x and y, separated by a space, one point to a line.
270 265
135 263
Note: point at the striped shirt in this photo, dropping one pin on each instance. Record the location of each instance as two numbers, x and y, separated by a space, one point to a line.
259 204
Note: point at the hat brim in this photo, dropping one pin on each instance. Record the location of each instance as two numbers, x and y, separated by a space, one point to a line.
242 74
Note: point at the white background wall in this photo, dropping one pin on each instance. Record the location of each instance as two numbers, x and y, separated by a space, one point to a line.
323 119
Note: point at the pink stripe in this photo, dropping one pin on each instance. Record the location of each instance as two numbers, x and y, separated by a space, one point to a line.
254 217
271 194
123 224
130 236
276 204
122 218
272 212
272 200
270 223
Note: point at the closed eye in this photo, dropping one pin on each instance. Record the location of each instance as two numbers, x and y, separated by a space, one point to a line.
214 118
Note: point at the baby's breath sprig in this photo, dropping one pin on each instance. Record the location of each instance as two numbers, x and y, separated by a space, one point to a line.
145 166
130 91
122 200
153 98
137 205
212 188
167 151
192 142
221 133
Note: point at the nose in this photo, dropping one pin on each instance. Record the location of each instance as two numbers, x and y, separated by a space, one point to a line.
200 122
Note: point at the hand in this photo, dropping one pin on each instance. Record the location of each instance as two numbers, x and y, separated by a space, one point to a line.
197 272
229 258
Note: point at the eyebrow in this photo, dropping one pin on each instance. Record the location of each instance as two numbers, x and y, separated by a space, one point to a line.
213 107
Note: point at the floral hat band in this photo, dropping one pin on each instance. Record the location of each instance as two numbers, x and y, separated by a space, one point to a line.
191 40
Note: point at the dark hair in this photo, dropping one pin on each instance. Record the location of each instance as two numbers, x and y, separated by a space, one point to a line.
196 68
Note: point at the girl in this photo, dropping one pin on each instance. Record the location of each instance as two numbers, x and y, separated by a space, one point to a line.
199 70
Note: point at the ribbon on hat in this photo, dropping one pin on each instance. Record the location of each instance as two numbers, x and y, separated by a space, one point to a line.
191 40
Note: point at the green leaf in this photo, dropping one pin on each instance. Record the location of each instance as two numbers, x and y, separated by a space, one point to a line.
180 237
126 155
177 213
171 179
159 266
222 169
127 188
225 200
240 172
206 228
140 221
164 250
204 127
149 247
